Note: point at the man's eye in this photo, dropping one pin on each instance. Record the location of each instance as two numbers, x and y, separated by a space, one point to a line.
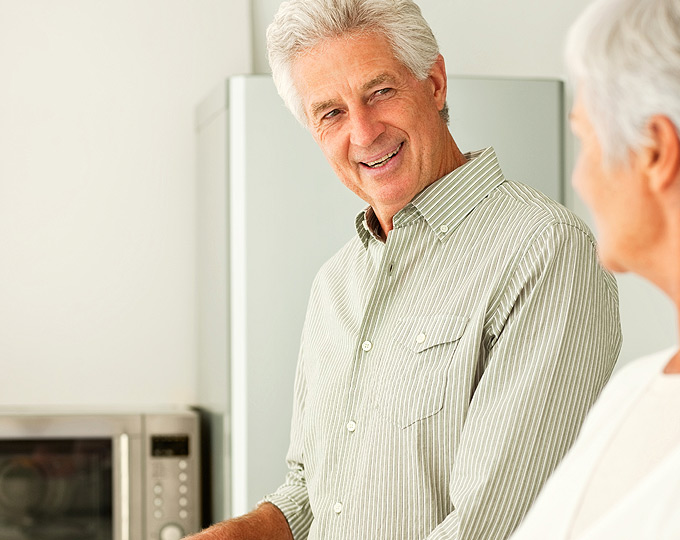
331 114
383 91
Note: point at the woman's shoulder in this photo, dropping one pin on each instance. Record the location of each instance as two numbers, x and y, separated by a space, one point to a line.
637 371
626 384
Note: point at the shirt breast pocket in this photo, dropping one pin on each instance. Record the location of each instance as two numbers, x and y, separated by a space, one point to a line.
414 385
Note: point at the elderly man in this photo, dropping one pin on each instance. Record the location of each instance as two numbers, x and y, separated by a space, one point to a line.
451 348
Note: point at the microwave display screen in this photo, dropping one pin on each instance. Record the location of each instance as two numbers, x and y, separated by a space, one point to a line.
56 489
170 446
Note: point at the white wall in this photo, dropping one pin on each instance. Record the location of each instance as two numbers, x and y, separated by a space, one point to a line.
97 220
97 248
523 38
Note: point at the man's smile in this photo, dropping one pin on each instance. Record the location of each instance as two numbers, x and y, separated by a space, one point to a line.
383 160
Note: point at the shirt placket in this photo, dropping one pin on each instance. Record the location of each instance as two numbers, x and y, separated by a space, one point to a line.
367 350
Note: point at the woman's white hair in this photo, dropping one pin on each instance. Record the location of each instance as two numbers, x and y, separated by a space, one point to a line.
624 58
301 24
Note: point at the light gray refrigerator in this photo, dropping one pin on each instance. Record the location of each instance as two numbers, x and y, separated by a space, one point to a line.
270 211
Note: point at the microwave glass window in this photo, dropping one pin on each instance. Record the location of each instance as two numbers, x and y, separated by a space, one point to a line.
56 489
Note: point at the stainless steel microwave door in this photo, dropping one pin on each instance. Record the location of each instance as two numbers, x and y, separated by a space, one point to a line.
56 489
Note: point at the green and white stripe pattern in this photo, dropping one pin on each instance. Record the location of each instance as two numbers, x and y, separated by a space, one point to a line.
444 373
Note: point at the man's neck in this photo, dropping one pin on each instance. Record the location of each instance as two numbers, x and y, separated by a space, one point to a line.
385 216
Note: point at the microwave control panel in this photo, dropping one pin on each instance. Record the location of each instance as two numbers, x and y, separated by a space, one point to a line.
172 477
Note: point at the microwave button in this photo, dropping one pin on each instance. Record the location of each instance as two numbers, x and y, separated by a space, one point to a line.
183 501
183 514
183 464
158 489
172 532
158 514
158 501
183 477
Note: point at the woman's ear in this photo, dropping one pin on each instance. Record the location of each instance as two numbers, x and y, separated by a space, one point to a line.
661 157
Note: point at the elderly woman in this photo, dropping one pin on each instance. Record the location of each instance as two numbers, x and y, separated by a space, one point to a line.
621 480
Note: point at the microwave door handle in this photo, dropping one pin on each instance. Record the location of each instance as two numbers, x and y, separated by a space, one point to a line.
124 441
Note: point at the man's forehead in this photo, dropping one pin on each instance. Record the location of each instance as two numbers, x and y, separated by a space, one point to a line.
345 65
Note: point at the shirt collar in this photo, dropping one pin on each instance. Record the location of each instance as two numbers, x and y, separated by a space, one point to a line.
445 203
367 226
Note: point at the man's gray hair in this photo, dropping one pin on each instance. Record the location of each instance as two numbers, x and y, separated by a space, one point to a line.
299 25
624 58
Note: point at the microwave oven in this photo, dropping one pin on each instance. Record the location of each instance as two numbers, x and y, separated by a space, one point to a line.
103 476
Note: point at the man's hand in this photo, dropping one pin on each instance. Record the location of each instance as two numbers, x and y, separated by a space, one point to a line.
266 521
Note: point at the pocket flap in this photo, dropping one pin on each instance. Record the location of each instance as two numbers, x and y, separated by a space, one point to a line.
421 333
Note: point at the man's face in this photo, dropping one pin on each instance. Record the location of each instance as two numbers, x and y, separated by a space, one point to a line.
378 126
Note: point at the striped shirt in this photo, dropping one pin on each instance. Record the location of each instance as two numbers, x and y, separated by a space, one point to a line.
444 373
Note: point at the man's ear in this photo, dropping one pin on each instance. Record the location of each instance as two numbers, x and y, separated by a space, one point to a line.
438 78
661 158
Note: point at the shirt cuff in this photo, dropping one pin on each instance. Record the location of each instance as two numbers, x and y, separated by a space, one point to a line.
293 503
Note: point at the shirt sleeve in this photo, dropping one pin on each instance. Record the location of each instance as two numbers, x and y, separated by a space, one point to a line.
292 497
555 347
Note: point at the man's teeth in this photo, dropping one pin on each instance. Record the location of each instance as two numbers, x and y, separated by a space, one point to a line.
383 160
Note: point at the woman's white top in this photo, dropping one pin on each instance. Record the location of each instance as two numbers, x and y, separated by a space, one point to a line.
621 479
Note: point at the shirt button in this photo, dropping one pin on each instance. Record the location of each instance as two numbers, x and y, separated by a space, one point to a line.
351 426
444 228
337 507
366 345
420 338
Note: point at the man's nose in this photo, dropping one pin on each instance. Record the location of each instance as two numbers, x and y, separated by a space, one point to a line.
365 126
